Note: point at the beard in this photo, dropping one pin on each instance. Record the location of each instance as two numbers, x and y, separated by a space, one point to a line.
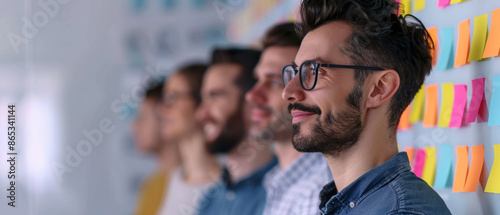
278 129
336 134
232 134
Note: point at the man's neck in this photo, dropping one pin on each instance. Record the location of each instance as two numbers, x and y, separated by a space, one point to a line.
168 157
286 154
247 157
374 147
199 166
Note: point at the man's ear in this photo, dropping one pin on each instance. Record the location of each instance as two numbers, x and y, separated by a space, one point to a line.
382 86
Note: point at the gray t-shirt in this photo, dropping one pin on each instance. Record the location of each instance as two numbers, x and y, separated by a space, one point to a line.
182 198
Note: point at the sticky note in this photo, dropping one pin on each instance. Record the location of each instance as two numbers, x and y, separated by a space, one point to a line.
433 32
448 90
456 1
479 37
404 121
494 116
475 168
493 185
477 104
444 168
443 3
459 104
463 44
417 110
418 166
419 5
492 48
431 106
461 169
444 61
409 152
405 7
429 170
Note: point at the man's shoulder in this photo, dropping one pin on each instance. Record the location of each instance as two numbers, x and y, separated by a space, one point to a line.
415 196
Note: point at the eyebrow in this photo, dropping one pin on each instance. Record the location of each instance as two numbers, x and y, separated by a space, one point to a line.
316 59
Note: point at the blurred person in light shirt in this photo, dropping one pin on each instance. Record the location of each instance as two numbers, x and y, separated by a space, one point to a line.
199 169
148 140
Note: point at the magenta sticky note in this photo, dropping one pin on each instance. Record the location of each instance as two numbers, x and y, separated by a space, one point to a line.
419 163
443 3
459 104
478 103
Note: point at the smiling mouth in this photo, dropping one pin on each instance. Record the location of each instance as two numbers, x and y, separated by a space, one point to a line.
299 116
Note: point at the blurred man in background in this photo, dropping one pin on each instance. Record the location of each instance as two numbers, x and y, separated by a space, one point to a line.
292 187
181 99
149 141
225 115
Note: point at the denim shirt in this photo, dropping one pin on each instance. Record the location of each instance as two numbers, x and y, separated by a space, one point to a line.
245 197
390 188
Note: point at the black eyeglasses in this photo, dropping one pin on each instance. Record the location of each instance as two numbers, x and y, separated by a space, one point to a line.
309 73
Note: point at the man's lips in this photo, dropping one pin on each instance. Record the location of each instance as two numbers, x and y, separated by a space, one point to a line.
299 115
260 113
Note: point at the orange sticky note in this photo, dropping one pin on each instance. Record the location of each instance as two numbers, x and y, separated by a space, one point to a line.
418 106
475 169
492 48
410 151
463 44
433 32
479 38
404 121
493 185
461 169
431 106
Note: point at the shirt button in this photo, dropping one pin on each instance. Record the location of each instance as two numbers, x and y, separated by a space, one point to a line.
230 195
352 204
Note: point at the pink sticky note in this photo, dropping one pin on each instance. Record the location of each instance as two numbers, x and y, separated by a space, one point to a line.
478 103
443 3
419 163
459 104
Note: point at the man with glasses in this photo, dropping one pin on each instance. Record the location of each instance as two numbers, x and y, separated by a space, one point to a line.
293 186
358 67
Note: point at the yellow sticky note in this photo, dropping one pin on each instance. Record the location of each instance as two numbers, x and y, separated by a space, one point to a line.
479 37
419 5
430 165
456 1
406 7
418 106
448 93
493 185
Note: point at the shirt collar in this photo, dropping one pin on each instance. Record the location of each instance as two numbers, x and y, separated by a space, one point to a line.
252 179
361 187
290 175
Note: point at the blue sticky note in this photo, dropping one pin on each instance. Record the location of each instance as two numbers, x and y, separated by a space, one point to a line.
444 168
494 118
446 49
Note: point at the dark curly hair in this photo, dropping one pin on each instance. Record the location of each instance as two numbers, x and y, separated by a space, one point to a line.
380 38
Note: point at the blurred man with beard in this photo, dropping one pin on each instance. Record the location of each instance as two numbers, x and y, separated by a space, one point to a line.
358 67
292 187
225 116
